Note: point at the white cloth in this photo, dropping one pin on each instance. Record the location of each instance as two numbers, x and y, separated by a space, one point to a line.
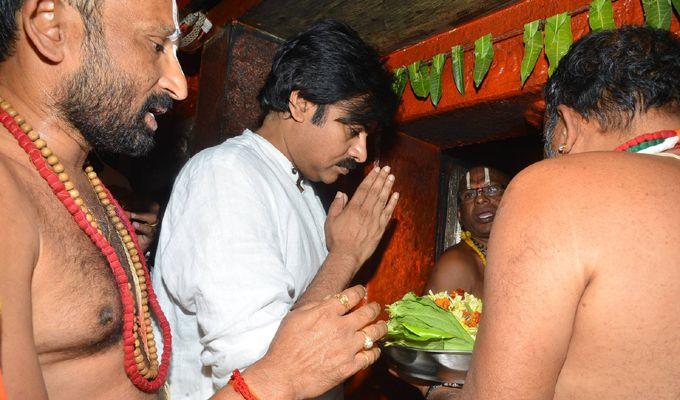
239 244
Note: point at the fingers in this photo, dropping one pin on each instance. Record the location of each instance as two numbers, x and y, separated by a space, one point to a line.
384 195
344 301
143 229
365 358
370 334
146 218
388 210
364 315
363 189
337 205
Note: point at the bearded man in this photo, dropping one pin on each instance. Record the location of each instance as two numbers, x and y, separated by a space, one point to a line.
462 266
583 283
80 75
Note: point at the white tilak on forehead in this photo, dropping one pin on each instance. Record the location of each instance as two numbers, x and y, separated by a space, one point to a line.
487 178
177 34
467 180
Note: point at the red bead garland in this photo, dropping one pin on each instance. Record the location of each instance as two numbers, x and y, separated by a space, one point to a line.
105 247
240 386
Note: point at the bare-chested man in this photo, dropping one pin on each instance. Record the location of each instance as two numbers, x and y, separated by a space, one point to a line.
583 285
82 74
462 266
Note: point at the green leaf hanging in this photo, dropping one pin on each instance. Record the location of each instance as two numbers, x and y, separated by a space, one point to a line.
483 58
399 82
558 39
436 78
676 4
658 13
458 67
419 76
533 44
601 15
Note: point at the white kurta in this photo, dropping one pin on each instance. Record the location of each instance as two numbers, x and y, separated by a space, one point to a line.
239 245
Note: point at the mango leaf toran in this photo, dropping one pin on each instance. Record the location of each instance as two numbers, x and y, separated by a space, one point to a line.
533 44
458 67
483 58
658 13
418 74
601 15
436 78
399 82
558 39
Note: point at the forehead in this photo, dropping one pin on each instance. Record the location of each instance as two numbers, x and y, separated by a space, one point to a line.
159 16
478 176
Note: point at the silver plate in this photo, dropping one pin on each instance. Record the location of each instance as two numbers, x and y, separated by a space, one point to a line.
430 365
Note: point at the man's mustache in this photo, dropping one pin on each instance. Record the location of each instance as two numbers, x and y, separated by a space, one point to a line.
348 163
158 102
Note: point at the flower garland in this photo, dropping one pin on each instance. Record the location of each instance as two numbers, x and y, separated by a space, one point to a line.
480 249
142 368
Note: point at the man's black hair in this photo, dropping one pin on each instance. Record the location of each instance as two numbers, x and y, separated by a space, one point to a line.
614 75
330 64
8 21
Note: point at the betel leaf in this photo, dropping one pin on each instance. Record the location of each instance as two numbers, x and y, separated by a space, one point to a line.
601 15
657 13
399 81
436 78
419 76
533 44
458 67
483 58
558 39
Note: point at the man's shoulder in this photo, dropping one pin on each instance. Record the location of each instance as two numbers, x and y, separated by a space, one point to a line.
590 175
458 255
234 157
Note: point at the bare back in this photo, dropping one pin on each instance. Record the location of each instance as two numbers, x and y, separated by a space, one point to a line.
62 313
584 282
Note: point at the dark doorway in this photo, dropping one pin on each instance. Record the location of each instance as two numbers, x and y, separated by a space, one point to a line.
507 155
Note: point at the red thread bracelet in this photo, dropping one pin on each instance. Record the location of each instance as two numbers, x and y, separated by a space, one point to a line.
240 386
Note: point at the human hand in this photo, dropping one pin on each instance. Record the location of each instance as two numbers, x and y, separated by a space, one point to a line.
318 346
145 224
354 229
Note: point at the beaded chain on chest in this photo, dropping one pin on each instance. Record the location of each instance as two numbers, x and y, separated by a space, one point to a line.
139 300
475 245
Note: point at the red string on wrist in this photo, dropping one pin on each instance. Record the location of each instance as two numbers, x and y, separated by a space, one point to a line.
240 386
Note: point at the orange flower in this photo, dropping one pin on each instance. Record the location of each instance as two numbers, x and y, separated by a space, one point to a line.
443 303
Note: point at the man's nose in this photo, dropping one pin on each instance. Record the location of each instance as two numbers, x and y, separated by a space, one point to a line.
172 79
481 197
358 149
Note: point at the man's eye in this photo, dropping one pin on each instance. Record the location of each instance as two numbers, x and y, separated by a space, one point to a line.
158 47
354 132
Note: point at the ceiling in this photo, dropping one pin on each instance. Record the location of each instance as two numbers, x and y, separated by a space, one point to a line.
387 24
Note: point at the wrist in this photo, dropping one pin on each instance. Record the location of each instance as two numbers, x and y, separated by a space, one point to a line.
266 382
344 260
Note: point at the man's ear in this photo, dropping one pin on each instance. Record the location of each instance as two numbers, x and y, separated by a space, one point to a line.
298 106
572 127
43 23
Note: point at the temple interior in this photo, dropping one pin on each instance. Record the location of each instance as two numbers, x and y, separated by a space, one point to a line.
498 124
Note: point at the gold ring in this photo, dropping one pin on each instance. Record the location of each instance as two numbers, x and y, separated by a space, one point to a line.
155 224
344 300
368 342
